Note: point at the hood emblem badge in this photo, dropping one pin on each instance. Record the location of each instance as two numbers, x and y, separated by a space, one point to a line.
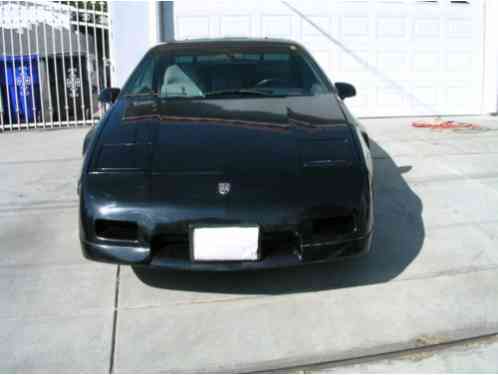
224 188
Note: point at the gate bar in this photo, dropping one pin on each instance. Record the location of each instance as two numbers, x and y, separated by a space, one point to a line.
22 75
63 55
6 76
47 69
80 71
89 78
97 67
32 87
40 80
56 74
14 73
71 64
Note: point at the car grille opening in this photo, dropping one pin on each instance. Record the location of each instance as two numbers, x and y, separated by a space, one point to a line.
279 243
171 245
176 245
116 230
333 226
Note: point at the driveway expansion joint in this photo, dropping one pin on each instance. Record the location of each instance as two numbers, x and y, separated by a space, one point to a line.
114 321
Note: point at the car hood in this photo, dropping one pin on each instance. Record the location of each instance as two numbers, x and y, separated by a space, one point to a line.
164 161
231 136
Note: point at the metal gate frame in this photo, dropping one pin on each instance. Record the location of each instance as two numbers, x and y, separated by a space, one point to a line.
54 61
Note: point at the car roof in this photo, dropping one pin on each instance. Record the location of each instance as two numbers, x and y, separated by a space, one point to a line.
209 42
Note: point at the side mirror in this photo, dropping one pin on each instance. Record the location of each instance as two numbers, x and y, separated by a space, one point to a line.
109 95
345 90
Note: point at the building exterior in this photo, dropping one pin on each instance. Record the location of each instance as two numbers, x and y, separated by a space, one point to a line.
406 57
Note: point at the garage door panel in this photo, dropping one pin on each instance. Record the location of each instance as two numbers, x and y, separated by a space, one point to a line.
415 57
426 62
276 26
395 63
388 99
459 28
309 31
426 28
361 100
427 93
193 27
459 62
355 26
235 25
349 62
392 27
322 57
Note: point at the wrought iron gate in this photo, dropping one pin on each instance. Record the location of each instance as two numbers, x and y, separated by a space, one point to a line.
54 61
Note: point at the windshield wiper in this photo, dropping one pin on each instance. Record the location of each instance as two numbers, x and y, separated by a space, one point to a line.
156 95
141 94
174 97
242 92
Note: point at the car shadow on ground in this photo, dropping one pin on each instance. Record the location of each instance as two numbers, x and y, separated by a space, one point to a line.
399 236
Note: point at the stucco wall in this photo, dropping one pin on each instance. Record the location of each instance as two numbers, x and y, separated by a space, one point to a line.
133 33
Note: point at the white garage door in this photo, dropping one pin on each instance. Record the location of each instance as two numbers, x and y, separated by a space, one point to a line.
406 57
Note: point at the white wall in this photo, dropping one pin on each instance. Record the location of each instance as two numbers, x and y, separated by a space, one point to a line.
133 32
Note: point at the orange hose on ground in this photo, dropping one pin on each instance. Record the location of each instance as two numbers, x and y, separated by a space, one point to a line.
443 125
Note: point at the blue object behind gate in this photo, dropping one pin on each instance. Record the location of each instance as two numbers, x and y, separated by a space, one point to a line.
23 87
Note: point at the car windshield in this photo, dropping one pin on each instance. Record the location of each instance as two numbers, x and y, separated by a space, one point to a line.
228 72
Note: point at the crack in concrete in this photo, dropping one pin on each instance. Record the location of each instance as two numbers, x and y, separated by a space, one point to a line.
415 354
114 321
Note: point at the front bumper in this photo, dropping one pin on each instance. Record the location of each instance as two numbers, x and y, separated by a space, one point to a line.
317 253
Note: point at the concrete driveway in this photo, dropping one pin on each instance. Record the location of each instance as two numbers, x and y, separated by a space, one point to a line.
431 278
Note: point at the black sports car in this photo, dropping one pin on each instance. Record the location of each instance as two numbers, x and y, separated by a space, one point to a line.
225 155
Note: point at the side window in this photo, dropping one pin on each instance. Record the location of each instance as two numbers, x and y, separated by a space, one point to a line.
309 79
144 82
141 80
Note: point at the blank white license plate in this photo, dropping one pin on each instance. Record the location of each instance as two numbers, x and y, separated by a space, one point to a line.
236 243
